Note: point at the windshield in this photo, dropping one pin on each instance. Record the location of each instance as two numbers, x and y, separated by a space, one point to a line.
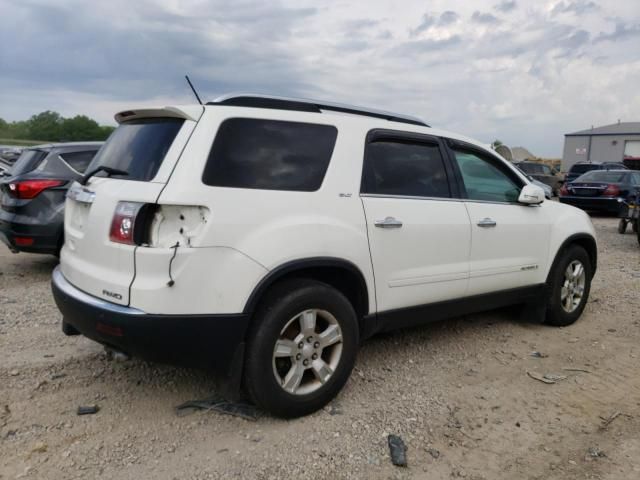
28 160
137 147
602 176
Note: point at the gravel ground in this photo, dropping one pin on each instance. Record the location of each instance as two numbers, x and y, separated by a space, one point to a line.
457 392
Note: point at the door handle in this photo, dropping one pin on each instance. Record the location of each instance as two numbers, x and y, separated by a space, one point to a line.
388 222
487 222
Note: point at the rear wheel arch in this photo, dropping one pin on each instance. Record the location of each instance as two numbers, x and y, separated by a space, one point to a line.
341 274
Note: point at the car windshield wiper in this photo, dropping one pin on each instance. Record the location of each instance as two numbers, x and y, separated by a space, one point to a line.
108 170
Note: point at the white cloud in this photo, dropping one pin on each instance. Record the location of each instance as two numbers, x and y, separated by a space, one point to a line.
524 72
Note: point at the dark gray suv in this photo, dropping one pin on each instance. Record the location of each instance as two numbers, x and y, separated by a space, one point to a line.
32 195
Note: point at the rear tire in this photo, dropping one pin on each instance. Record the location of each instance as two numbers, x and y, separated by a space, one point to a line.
301 349
568 286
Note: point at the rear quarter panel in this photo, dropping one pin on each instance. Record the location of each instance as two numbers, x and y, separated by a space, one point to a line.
268 227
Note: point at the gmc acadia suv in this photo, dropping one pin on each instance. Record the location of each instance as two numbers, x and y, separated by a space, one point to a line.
264 238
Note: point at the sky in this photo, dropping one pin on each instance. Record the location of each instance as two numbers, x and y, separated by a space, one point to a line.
524 72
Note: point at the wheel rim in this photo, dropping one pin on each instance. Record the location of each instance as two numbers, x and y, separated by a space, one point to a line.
307 352
572 290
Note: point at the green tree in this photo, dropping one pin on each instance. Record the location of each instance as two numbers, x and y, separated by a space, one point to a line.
80 128
45 126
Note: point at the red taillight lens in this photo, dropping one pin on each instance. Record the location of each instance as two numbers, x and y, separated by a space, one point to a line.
564 190
23 241
611 191
28 189
123 222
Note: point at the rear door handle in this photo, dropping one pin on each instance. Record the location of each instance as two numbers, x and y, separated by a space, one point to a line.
487 222
388 222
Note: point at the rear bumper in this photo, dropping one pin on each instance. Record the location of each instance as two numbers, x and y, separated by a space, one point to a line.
214 342
599 204
46 236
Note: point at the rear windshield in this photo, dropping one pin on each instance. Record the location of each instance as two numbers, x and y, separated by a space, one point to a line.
531 168
28 160
603 176
138 147
583 168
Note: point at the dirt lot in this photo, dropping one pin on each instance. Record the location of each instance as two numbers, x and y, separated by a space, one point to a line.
457 392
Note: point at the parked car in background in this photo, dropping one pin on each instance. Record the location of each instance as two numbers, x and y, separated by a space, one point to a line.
601 190
9 155
32 195
580 168
266 237
542 173
548 192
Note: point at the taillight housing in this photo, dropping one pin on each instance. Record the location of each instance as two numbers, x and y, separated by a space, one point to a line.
28 189
611 191
564 190
124 222
131 222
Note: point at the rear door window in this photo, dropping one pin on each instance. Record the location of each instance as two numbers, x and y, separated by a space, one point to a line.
79 161
270 155
404 168
138 147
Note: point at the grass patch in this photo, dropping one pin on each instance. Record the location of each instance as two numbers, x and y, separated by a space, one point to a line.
18 143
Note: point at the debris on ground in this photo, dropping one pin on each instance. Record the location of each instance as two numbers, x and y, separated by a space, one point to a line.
88 410
540 378
434 452
553 377
398 450
537 354
220 405
572 369
606 421
595 452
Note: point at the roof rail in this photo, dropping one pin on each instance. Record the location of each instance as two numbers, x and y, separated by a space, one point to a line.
305 105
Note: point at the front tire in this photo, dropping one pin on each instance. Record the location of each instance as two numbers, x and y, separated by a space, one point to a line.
301 349
568 286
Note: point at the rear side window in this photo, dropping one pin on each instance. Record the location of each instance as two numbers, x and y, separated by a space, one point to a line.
404 168
270 155
79 161
29 160
138 147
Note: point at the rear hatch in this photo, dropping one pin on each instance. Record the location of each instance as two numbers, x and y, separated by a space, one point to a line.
146 145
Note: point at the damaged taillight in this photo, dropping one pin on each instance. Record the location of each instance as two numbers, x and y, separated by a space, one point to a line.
131 222
124 222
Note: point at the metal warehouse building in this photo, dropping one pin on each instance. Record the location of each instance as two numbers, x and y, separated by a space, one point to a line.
619 142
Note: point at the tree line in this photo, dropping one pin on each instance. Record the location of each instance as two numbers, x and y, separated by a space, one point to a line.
52 127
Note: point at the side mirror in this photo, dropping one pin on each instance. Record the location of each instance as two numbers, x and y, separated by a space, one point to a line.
531 195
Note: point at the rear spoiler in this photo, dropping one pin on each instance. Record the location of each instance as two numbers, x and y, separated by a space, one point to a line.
189 112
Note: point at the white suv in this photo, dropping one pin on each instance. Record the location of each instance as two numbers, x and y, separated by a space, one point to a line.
264 238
